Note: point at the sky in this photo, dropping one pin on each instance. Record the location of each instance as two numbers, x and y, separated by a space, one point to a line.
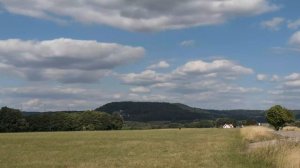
213 54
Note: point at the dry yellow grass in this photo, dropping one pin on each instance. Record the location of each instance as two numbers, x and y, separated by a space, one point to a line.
290 157
193 148
282 154
256 133
291 128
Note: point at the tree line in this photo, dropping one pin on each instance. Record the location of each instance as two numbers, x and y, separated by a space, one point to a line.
12 120
217 123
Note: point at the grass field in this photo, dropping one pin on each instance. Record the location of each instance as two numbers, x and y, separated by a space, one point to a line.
278 150
148 148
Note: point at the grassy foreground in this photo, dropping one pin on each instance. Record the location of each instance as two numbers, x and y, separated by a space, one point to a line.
277 152
148 148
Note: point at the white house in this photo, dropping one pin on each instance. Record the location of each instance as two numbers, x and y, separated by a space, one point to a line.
228 126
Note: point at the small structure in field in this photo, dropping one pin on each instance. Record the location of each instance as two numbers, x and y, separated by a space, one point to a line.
228 126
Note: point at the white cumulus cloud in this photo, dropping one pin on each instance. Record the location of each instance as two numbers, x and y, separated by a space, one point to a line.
159 65
145 78
287 91
261 77
293 80
194 81
46 97
222 67
64 60
295 39
140 15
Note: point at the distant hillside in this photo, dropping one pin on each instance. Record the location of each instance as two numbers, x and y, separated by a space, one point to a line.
157 111
297 114
27 113
160 111
152 111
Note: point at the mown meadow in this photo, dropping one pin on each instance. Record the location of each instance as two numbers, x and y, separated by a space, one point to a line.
144 148
147 148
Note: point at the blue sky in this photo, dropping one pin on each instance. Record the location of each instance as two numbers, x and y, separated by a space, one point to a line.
214 54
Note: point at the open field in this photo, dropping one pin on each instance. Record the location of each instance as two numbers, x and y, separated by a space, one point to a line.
147 148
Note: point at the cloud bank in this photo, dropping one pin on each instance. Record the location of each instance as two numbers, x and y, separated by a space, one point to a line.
195 81
140 15
64 60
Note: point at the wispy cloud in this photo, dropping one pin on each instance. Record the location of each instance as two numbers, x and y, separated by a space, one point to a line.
293 45
140 89
273 24
187 43
295 24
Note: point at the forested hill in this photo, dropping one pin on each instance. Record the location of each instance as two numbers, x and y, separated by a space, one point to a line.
297 114
157 111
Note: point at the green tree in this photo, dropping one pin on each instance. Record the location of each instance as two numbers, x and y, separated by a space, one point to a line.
61 121
92 120
278 116
39 122
11 120
116 121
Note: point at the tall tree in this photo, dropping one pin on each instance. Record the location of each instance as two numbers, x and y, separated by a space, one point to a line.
278 116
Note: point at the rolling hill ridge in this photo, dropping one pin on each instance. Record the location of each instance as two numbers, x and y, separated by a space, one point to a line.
161 111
